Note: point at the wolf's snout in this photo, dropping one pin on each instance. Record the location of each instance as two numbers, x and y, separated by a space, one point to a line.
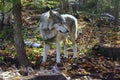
63 31
67 31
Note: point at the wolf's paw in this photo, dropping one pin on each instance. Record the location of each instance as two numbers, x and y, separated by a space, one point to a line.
56 68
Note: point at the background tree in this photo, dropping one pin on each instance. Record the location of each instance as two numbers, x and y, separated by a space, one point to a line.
116 10
18 39
1 14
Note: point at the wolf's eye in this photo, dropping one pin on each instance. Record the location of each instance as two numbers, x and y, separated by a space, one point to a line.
59 24
63 22
52 28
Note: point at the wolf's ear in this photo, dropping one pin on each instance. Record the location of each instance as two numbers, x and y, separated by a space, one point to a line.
39 17
51 13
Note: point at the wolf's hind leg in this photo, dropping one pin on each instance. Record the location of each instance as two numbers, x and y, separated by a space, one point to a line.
58 52
74 46
74 50
65 49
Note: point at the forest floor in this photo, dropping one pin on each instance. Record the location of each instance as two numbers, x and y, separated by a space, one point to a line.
98 54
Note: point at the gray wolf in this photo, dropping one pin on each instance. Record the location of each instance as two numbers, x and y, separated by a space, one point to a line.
54 28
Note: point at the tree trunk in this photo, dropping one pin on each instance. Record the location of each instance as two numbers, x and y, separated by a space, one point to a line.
1 20
2 15
83 2
116 10
19 44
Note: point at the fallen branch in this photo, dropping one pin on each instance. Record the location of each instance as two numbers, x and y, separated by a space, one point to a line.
77 75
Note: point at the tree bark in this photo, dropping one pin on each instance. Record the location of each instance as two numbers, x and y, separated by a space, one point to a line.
18 39
116 10
83 2
1 20
2 16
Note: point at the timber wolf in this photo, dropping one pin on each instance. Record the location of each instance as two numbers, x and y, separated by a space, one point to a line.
55 28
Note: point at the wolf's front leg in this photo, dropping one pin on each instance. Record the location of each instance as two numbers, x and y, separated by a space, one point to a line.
46 47
58 52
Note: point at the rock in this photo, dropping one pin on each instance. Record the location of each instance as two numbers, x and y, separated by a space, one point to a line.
32 44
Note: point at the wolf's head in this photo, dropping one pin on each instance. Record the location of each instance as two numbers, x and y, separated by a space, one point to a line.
59 22
51 23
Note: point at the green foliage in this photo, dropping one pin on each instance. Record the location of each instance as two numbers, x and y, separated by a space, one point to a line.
41 4
34 53
90 10
91 5
116 3
7 34
5 6
1 58
1 34
13 1
94 8
1 5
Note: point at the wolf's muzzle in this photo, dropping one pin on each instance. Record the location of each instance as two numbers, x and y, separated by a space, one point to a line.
66 31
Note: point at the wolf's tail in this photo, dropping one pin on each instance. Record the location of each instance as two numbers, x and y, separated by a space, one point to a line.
76 25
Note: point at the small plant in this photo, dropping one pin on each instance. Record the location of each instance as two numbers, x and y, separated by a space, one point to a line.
34 53
7 34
